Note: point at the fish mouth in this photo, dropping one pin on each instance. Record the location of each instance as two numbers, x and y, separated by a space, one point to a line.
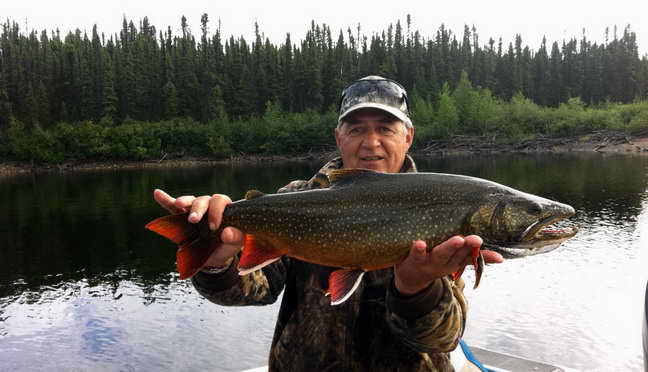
540 237
540 230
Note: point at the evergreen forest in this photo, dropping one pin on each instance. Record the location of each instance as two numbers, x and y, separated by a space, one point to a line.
143 92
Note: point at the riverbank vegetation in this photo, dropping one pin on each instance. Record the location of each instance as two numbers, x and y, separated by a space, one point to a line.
143 94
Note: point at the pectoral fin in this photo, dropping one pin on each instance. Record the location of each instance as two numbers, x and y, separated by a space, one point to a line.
342 284
256 254
477 262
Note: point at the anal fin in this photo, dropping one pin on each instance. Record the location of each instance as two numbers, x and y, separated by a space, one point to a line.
342 284
256 254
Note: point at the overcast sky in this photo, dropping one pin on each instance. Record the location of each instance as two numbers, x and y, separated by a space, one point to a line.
557 19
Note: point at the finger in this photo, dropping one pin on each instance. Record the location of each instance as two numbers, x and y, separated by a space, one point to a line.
492 257
165 200
445 251
231 235
184 202
418 252
198 209
461 258
474 241
217 205
471 248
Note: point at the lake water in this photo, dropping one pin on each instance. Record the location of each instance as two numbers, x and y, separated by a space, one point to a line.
83 286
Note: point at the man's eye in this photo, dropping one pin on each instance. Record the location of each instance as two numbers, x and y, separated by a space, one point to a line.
386 130
354 131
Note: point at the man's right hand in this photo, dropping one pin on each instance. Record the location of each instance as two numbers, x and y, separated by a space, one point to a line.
214 206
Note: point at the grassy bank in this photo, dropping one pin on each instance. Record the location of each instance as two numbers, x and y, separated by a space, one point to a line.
464 111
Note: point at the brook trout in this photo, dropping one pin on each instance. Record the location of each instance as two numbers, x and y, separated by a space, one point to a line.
367 221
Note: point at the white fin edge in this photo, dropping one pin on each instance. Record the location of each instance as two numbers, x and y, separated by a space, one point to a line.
257 267
353 289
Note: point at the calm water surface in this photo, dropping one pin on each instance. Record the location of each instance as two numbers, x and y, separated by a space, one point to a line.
84 287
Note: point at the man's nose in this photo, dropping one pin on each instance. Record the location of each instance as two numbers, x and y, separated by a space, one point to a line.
371 139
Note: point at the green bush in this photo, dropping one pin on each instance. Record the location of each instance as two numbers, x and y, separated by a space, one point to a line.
133 141
35 145
446 119
521 116
466 110
639 123
85 140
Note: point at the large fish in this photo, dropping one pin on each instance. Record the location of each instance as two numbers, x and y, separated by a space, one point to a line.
367 220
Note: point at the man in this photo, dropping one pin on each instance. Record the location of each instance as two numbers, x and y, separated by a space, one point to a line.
403 318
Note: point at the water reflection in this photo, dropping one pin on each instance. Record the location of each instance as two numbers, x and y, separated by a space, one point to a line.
84 286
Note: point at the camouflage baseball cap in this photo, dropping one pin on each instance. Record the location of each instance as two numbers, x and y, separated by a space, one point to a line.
375 92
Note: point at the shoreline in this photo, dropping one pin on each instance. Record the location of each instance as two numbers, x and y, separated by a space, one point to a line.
601 142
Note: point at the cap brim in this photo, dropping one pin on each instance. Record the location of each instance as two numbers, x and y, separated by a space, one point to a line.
394 111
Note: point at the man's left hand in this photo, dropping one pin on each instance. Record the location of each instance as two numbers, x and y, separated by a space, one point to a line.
421 267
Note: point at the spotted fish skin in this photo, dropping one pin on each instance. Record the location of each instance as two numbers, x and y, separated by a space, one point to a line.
367 220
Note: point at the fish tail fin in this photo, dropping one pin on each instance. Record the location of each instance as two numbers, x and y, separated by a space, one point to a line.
256 254
342 284
191 257
193 250
174 227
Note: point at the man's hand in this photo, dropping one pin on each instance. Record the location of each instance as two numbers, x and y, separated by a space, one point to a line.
421 266
214 206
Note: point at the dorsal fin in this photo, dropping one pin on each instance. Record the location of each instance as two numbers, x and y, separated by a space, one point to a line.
340 177
251 194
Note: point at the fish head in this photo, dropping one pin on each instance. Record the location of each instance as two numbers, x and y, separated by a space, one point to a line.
519 224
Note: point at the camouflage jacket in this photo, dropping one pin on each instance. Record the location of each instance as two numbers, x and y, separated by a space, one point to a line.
376 329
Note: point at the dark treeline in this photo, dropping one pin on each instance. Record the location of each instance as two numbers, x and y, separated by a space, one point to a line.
126 91
150 75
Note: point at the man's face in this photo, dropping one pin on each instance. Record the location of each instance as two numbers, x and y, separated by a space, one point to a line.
373 139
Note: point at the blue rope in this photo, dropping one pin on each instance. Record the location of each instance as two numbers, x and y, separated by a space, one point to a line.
471 357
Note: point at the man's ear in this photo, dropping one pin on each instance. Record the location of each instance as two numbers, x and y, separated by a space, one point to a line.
336 131
409 137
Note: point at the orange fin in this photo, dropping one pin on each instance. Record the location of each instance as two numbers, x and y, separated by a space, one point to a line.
174 227
257 253
478 263
191 257
193 251
342 284
457 274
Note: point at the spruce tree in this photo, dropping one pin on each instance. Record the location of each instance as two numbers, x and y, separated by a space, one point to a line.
110 101
447 117
555 85
5 107
169 100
